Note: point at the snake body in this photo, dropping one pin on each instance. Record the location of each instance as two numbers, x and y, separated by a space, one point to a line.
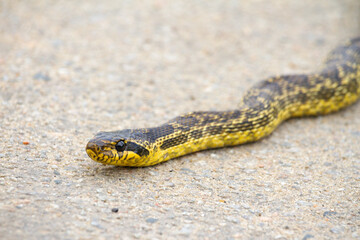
260 111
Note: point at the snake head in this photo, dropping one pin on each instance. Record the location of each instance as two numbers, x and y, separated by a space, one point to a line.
117 148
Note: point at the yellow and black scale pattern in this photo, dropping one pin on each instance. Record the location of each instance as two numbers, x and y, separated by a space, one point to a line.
261 110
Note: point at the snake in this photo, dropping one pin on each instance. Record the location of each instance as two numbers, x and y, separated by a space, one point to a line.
261 110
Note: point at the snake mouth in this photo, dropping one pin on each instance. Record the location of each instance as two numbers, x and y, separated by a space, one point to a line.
91 154
92 149
100 153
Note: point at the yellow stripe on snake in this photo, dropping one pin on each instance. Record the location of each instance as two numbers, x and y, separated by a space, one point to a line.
261 110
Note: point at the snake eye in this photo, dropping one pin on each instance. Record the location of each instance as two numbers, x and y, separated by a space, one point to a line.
120 146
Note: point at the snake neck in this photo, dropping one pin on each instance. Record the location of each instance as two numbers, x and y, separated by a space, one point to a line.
213 130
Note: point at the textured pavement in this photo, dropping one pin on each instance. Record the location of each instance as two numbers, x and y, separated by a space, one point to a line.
69 69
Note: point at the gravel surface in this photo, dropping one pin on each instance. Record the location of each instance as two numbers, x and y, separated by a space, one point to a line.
69 69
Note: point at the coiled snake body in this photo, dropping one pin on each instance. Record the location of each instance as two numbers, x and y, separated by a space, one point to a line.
261 110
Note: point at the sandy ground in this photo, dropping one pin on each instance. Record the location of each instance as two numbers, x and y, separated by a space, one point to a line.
69 69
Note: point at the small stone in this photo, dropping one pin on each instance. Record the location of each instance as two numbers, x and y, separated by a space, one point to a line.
187 171
57 181
170 184
137 235
54 205
307 236
152 173
46 179
337 229
329 213
41 76
54 166
356 133
58 158
186 230
249 171
232 219
151 220
2 155
96 223
115 210
102 197
246 206
304 203
14 179
56 172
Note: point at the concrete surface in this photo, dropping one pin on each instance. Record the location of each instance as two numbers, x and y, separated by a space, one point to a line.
69 69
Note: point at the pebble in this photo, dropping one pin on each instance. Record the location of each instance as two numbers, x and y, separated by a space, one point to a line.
58 158
356 133
57 181
151 220
54 166
249 171
55 205
103 197
14 179
186 230
187 171
307 236
41 76
246 206
152 173
232 219
115 210
304 203
170 184
337 229
96 223
329 213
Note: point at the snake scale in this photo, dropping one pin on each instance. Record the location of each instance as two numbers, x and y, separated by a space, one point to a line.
260 111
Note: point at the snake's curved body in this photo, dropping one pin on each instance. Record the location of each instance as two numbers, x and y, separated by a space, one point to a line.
261 110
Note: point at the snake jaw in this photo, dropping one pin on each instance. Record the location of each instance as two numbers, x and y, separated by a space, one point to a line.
102 151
